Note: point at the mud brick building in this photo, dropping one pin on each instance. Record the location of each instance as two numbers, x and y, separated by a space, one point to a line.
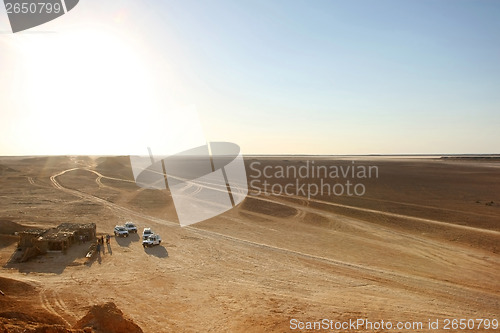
39 241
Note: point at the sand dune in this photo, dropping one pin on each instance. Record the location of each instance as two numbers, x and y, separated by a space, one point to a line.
422 243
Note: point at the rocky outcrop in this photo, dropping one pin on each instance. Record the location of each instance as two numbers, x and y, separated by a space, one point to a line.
107 318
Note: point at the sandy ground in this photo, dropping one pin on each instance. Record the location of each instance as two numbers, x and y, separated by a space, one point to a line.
422 243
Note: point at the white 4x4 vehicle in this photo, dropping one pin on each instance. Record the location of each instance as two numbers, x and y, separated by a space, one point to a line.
121 231
152 240
146 233
131 228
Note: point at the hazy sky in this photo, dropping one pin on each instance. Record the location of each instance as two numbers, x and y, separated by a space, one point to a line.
304 77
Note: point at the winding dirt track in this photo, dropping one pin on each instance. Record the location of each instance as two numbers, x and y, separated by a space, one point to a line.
257 266
302 209
102 201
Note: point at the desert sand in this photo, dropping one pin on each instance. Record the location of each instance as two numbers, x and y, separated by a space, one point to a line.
421 244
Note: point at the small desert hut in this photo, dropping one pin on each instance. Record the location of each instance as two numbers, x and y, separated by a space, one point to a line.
56 239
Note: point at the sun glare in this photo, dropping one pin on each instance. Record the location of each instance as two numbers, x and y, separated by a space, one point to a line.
85 92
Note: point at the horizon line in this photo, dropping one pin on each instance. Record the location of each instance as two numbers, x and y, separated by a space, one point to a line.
267 155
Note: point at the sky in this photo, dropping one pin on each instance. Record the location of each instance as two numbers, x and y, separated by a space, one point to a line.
275 77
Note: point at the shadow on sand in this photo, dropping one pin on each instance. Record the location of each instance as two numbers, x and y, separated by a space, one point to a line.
52 262
125 241
157 251
97 257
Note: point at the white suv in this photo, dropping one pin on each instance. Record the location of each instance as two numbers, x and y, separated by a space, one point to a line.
121 231
152 241
131 228
146 233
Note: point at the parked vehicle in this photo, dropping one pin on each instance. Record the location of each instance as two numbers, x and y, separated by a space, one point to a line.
131 228
152 241
120 231
146 233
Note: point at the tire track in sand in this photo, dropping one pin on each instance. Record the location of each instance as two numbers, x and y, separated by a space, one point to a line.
369 272
58 303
